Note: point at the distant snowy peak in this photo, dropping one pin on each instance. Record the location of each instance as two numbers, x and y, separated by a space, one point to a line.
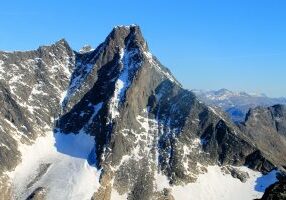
224 94
236 104
86 48
227 97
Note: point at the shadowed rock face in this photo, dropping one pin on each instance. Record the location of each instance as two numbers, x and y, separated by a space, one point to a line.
276 191
38 194
142 119
266 127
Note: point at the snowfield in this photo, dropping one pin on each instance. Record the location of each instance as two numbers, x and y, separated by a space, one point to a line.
215 185
59 163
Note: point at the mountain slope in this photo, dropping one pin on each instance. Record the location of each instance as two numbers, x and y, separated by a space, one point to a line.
125 128
266 127
31 85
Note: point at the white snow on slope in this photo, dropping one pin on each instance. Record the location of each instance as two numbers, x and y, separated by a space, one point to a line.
116 196
215 185
161 181
69 175
1 69
123 81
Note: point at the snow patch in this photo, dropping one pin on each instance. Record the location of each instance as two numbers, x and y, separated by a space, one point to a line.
1 66
66 174
215 185
116 196
161 181
96 109
123 82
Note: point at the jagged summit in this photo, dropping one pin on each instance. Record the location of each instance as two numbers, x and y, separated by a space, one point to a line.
121 29
62 41
123 53
130 36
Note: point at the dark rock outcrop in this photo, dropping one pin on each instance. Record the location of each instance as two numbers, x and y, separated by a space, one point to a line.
276 191
38 194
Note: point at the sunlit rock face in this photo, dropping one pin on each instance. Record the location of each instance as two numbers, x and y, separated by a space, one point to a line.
266 126
114 123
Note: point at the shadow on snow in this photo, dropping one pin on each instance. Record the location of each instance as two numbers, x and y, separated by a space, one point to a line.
79 145
265 181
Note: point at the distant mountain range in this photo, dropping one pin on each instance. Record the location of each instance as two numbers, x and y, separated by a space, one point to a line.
236 104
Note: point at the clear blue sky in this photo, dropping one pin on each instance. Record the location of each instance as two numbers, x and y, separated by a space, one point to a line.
234 44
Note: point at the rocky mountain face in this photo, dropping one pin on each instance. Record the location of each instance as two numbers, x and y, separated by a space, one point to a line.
31 84
266 127
236 104
147 130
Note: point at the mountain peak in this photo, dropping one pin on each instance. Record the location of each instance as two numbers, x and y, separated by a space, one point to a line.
62 42
126 26
127 36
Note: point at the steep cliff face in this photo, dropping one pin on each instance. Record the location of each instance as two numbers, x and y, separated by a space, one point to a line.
121 123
